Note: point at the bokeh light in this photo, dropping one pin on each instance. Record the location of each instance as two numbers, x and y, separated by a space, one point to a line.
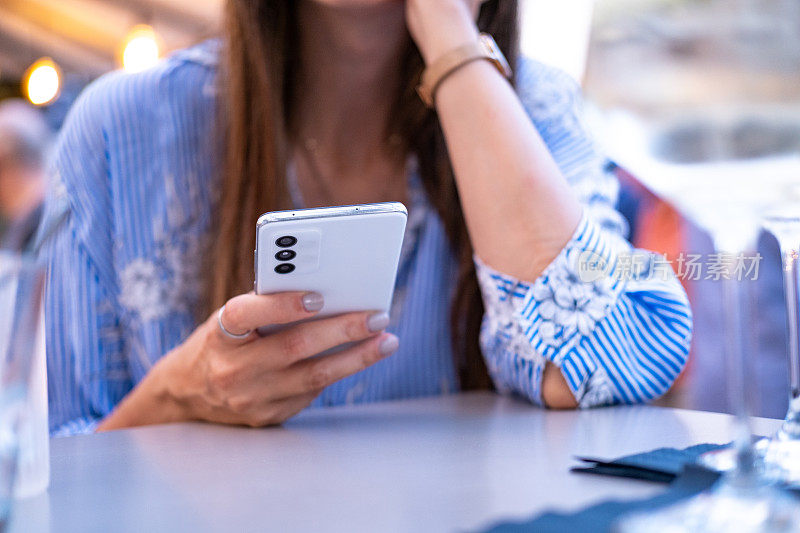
42 82
141 49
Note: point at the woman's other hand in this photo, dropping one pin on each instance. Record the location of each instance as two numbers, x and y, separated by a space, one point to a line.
256 381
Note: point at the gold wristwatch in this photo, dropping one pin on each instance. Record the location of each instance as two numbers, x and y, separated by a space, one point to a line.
435 74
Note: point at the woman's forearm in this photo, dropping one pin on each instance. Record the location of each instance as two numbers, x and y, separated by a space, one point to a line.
519 209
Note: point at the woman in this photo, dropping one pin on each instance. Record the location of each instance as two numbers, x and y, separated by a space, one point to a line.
312 102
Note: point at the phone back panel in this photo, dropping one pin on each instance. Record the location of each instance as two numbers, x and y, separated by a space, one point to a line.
351 259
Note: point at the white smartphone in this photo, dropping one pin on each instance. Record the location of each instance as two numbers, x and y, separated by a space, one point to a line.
349 254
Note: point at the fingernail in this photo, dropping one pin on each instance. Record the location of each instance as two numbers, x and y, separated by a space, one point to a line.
313 302
378 322
389 345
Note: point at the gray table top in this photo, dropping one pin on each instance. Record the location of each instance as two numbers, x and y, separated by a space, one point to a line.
451 463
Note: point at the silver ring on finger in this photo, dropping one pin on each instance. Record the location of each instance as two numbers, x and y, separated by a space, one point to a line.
239 336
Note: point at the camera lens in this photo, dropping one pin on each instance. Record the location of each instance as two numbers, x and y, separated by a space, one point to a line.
284 268
286 241
285 255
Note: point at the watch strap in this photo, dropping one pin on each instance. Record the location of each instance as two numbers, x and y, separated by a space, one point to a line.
484 48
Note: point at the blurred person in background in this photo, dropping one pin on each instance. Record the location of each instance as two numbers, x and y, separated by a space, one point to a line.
313 103
24 140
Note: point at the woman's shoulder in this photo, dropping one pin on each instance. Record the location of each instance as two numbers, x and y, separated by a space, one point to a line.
128 127
185 79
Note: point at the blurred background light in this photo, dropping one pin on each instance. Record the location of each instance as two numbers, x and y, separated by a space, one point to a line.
141 49
42 82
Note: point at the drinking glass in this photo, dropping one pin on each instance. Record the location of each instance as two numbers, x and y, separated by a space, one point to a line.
700 99
782 451
23 415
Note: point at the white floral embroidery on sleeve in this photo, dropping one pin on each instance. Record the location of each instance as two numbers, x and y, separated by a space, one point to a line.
567 303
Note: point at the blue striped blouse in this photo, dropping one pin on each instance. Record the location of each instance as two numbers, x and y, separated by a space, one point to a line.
135 165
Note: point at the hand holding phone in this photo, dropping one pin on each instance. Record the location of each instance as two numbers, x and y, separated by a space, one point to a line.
336 293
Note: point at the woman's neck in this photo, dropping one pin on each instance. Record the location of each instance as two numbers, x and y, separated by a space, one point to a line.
349 76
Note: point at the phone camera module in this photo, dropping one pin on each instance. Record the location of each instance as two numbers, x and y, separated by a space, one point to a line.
284 268
286 241
285 255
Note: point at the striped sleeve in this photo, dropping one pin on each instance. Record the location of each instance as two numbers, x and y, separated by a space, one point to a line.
86 367
617 325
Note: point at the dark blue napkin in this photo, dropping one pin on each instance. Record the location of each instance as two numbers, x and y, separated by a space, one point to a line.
662 465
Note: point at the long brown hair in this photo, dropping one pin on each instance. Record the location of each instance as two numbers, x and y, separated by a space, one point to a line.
260 53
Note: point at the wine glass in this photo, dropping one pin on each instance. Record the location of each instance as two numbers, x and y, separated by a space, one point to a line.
683 94
782 451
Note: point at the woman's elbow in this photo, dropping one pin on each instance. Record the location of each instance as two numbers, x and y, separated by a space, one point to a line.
555 391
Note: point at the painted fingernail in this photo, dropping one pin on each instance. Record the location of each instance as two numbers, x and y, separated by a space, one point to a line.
389 345
313 302
378 322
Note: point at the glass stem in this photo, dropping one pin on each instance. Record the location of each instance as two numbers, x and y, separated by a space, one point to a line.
790 263
785 227
734 301
788 244
733 242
